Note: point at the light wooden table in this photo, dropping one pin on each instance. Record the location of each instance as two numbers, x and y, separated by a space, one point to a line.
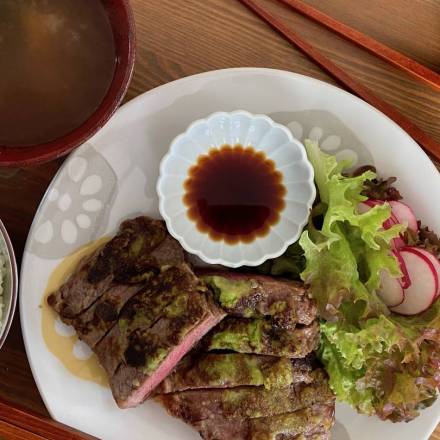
177 38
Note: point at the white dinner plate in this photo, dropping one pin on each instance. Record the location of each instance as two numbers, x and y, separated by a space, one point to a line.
113 177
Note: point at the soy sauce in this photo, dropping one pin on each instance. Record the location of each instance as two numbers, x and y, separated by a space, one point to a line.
234 194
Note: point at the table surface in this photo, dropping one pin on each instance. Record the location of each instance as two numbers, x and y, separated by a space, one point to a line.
185 37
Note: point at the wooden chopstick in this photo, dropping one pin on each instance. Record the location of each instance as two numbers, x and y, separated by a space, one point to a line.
428 143
12 432
15 420
392 56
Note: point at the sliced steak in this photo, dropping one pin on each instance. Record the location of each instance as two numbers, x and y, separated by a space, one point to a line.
168 253
287 429
247 402
92 325
212 370
139 306
261 337
78 293
152 353
319 434
140 248
143 310
287 302
306 422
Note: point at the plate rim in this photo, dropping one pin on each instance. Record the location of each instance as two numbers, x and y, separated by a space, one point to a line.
220 73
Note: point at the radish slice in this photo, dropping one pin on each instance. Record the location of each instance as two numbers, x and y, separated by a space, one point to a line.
398 243
435 262
405 281
391 221
391 291
368 204
363 207
404 215
424 283
371 202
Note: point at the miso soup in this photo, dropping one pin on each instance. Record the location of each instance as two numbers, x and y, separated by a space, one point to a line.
57 60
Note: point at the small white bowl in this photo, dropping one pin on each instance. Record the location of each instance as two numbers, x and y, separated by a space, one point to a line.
9 286
263 134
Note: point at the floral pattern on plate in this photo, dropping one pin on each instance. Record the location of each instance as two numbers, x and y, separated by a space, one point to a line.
333 135
79 200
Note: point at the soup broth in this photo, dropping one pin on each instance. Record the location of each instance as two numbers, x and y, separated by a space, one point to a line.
57 60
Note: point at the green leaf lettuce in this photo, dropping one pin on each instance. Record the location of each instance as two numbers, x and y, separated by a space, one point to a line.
344 255
387 366
379 362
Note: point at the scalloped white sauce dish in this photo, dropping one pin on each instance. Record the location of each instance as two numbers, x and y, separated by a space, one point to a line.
254 166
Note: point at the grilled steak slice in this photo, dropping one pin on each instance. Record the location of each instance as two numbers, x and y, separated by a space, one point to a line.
320 434
139 306
212 370
260 337
320 419
78 293
143 310
99 318
140 248
247 402
251 296
152 353
314 420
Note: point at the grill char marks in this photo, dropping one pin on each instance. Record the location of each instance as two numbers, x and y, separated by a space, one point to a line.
142 311
306 422
247 402
213 370
261 337
94 323
139 306
78 293
156 328
270 387
288 303
153 353
129 256
132 256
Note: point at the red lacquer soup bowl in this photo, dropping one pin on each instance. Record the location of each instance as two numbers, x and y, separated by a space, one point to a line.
123 29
